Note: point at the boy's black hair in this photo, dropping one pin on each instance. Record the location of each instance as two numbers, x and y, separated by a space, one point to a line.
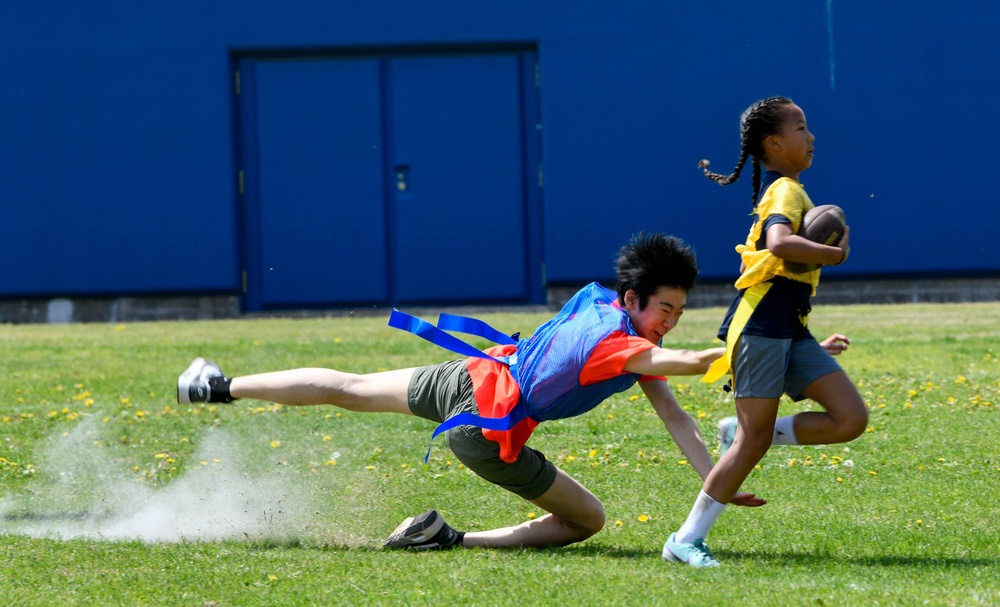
650 261
761 119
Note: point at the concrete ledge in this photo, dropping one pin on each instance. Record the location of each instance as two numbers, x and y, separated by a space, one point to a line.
118 309
213 307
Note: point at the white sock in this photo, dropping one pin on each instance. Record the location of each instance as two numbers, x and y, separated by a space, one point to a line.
784 431
700 520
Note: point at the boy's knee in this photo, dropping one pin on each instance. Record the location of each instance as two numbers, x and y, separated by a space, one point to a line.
590 524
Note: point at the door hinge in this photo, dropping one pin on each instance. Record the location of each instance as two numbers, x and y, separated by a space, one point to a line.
236 82
239 179
243 280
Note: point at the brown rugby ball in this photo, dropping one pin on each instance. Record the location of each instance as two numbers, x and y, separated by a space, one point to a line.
824 224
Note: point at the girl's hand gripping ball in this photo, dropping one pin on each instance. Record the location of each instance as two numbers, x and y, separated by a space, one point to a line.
824 224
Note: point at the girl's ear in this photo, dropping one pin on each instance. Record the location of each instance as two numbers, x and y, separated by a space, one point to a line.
773 143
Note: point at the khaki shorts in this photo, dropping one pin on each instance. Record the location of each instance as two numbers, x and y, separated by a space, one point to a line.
438 392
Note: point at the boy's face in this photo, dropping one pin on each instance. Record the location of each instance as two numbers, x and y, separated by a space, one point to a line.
662 312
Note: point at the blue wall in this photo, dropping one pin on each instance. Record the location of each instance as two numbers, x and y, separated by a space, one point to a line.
117 138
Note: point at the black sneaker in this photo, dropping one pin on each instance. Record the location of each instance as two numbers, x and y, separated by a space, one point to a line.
425 532
195 384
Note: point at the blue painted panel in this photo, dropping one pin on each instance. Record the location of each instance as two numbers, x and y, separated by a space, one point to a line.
116 144
321 210
459 182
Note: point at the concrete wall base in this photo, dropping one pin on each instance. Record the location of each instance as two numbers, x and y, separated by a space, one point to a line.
139 309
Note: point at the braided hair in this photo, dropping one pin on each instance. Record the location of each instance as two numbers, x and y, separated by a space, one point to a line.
761 119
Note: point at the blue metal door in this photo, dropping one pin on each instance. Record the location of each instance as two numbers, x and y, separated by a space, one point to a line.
316 222
387 180
459 178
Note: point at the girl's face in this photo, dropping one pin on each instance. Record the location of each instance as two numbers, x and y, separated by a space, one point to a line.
790 150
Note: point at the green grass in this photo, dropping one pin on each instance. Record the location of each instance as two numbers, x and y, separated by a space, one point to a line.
90 430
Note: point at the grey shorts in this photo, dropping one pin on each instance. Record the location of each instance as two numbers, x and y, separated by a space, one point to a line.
764 367
438 392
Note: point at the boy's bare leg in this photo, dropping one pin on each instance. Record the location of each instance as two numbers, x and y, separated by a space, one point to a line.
374 392
574 515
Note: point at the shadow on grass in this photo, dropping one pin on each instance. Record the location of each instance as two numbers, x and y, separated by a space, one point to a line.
825 558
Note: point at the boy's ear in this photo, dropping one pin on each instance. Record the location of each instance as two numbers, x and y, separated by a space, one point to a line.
631 299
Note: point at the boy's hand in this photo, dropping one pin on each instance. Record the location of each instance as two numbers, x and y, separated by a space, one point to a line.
835 344
747 499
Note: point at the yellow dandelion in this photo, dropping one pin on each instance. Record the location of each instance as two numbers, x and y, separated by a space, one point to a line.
404 466
634 397
593 453
870 429
327 438
531 515
570 458
337 340
619 523
873 473
272 578
840 480
275 444
119 328
216 461
643 518
203 463
369 467
682 462
88 402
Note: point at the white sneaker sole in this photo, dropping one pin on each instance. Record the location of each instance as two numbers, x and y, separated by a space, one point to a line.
415 530
187 377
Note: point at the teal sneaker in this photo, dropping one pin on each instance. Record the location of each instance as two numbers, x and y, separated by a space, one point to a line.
696 554
727 434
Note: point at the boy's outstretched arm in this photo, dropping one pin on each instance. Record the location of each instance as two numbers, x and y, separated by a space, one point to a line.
665 361
685 433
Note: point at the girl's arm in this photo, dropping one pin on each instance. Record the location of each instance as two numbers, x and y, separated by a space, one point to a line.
784 243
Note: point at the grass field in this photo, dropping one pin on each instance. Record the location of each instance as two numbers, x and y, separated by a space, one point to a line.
112 494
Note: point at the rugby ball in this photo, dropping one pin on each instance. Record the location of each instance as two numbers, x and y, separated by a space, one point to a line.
824 224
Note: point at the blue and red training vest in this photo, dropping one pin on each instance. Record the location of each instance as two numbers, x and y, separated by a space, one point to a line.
571 364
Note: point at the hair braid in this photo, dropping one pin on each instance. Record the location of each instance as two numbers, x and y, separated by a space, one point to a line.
761 119
756 181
